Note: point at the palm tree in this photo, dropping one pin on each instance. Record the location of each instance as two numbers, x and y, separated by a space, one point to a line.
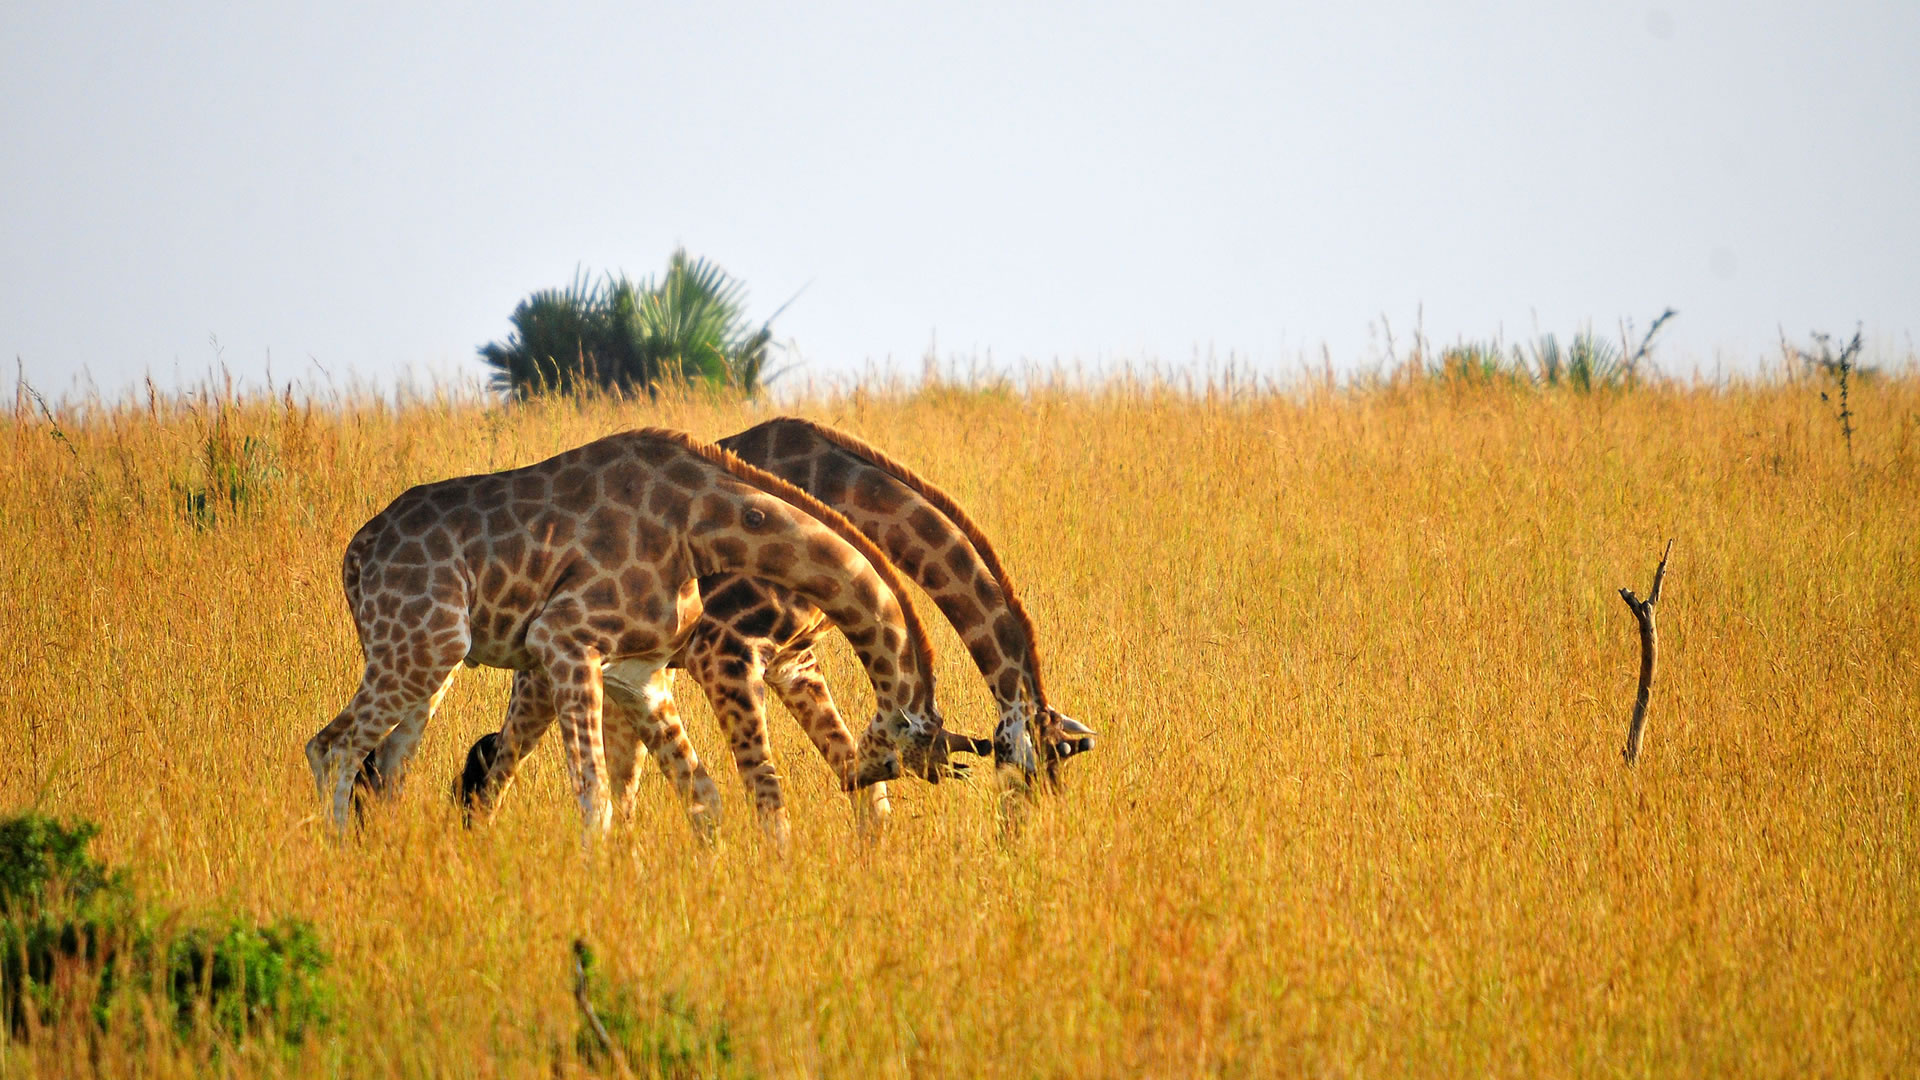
628 338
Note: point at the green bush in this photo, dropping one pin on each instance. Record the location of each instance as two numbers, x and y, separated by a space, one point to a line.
76 941
37 852
1587 363
631 338
1480 363
672 1039
250 978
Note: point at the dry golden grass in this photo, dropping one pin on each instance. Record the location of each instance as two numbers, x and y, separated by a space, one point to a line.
1363 679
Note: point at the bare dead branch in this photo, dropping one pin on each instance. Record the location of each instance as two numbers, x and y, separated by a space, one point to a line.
587 1013
1649 649
1646 343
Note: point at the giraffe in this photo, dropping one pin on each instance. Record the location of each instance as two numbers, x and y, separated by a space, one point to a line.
754 634
583 570
926 533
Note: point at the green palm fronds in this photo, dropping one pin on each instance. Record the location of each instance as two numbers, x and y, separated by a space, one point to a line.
1588 362
628 338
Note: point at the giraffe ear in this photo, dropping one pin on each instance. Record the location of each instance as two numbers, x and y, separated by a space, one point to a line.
1070 726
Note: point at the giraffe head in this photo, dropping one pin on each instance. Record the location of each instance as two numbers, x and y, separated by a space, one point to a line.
904 742
1063 736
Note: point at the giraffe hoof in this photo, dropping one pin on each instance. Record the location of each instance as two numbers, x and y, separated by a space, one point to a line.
706 830
1013 779
778 833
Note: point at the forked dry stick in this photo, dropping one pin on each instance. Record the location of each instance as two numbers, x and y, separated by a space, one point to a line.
1649 647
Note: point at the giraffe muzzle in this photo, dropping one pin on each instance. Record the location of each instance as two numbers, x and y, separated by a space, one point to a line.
878 771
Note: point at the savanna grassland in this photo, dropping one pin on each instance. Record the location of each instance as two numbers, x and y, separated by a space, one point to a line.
1362 677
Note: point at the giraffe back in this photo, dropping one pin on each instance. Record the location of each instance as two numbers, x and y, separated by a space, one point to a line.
622 524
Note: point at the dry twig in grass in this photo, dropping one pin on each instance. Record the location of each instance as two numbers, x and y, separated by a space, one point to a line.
581 960
1649 645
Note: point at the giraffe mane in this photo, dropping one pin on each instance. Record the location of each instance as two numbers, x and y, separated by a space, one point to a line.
944 503
827 515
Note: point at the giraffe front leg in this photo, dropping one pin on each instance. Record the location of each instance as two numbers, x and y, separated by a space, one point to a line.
730 671
666 740
796 680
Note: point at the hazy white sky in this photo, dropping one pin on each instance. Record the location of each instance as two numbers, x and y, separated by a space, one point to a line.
374 186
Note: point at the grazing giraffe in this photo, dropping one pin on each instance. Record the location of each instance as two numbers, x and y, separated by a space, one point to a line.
926 533
754 634
584 568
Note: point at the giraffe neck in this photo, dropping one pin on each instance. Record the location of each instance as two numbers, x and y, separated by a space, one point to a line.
914 523
770 530
833 577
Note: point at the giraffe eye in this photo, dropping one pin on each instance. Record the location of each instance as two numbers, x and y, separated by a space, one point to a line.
754 517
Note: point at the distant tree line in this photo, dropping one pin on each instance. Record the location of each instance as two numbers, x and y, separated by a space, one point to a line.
626 337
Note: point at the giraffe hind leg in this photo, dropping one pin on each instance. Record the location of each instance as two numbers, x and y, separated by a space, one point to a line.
731 672
384 769
393 692
321 748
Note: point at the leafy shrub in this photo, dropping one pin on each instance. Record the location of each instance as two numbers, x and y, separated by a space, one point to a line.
37 851
1480 363
250 978
670 1040
629 338
75 941
234 470
1585 363
1588 362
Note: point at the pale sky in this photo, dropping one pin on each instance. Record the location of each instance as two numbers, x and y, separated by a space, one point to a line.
373 187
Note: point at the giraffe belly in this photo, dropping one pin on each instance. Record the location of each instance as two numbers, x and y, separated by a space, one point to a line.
512 655
632 679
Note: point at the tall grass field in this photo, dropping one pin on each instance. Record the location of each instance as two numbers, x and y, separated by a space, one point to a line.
1361 674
